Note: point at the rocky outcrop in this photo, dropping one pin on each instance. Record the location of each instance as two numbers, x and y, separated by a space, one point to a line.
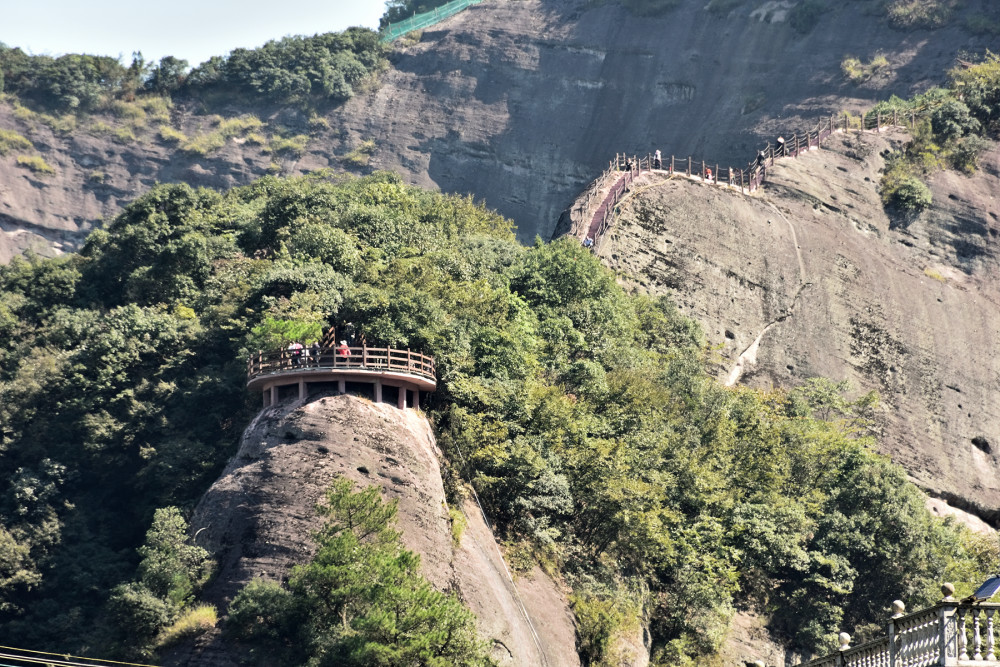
833 287
258 517
518 103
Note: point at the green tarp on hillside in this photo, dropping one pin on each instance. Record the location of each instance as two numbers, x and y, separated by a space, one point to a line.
420 21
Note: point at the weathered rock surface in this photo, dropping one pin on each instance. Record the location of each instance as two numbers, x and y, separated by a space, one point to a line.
258 517
910 308
519 103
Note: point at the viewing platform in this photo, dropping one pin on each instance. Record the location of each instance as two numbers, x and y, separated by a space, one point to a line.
953 632
381 374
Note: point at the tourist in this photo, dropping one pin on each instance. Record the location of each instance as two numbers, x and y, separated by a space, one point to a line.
344 352
316 350
295 349
588 242
782 149
657 160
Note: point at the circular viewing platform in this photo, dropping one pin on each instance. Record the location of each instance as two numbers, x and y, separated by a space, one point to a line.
382 374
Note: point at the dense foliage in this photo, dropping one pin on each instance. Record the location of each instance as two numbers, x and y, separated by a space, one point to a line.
325 67
361 600
582 415
400 10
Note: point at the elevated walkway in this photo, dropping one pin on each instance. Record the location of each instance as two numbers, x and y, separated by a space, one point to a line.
952 633
382 374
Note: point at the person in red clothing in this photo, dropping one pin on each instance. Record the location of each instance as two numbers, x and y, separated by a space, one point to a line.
343 352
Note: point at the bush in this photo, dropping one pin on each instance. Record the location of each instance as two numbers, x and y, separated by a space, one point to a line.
858 71
910 195
35 163
193 622
919 13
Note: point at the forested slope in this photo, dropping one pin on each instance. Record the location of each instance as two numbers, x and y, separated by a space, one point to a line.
585 418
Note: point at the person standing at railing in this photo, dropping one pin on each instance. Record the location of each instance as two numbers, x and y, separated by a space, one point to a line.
295 351
343 352
316 351
657 160
782 148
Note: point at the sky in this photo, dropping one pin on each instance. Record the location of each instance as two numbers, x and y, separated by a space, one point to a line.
193 30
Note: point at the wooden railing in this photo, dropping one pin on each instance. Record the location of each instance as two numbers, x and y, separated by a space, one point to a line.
951 633
361 358
623 170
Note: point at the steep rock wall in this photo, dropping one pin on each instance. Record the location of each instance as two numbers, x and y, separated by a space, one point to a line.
258 517
519 103
908 307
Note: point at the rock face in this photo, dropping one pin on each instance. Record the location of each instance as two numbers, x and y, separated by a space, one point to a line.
257 519
519 103
813 271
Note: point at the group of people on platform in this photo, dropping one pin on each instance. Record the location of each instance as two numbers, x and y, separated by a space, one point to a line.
302 355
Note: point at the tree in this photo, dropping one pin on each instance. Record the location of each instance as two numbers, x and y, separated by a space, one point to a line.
361 600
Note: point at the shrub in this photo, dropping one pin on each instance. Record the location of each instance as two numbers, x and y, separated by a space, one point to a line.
952 120
361 154
919 13
97 176
35 163
192 622
910 195
11 140
858 71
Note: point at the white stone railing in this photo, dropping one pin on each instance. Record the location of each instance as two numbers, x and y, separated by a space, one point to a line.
949 634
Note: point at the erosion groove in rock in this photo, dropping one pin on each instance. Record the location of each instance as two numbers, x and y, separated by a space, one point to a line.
258 516
907 309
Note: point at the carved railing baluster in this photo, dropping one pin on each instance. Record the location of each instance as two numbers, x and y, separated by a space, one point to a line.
990 655
963 653
977 640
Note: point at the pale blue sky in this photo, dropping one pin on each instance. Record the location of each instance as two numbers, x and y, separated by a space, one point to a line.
193 30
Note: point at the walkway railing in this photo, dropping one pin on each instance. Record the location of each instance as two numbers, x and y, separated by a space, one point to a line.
624 169
951 633
420 21
360 358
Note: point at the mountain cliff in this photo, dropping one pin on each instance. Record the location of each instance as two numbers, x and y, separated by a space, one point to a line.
517 103
258 517
810 277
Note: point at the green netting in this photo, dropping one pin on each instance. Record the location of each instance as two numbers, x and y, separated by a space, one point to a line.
420 21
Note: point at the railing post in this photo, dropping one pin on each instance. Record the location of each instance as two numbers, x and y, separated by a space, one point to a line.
689 166
845 643
990 654
671 165
948 631
364 355
716 173
898 608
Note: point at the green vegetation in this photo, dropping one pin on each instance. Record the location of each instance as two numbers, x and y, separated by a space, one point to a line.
582 415
290 145
155 608
12 141
361 601
857 71
292 70
35 163
225 129
919 13
399 10
195 621
359 157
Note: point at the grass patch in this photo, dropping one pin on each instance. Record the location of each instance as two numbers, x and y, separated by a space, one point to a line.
10 140
97 177
256 138
172 135
981 24
318 124
458 525
156 107
35 163
195 621
858 71
361 155
225 129
124 135
931 273
294 145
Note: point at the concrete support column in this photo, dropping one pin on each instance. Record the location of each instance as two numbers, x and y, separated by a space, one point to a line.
342 386
266 395
416 398
401 400
378 391
302 389
274 394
